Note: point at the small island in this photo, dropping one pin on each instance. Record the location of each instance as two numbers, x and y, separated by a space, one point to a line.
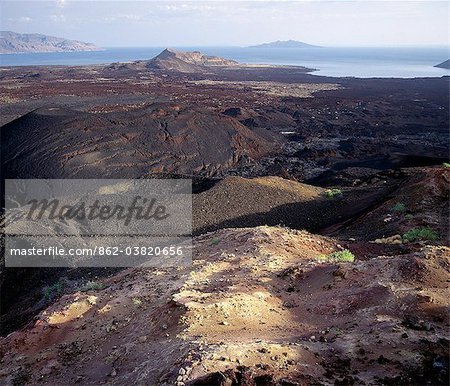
16 43
285 44
445 65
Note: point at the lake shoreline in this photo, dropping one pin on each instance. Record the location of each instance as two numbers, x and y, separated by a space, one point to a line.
330 62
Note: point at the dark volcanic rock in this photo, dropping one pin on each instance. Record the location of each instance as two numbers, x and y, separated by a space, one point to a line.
233 112
237 202
163 138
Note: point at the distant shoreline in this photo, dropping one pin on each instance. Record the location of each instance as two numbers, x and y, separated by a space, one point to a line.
52 52
330 62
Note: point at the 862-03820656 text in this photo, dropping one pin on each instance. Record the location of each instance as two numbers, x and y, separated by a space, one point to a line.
171 250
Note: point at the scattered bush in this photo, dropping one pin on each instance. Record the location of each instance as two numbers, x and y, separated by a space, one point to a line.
344 255
92 286
446 165
420 234
52 291
136 301
399 207
339 256
409 216
333 193
215 241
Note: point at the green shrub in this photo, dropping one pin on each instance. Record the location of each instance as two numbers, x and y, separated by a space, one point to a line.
399 207
333 193
52 291
418 234
446 165
409 216
92 286
344 255
215 241
338 256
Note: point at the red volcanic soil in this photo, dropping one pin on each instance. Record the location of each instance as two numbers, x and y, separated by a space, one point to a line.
422 200
260 306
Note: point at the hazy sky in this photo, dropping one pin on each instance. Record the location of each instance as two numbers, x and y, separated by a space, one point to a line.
197 23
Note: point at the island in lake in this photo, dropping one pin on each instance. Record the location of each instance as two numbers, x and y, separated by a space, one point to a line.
285 44
445 65
16 43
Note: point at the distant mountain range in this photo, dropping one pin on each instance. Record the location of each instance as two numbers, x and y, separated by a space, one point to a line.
445 65
14 43
285 44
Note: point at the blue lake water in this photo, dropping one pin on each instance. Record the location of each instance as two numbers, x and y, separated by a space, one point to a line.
336 62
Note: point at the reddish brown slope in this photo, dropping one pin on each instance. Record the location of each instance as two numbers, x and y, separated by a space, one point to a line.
257 305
